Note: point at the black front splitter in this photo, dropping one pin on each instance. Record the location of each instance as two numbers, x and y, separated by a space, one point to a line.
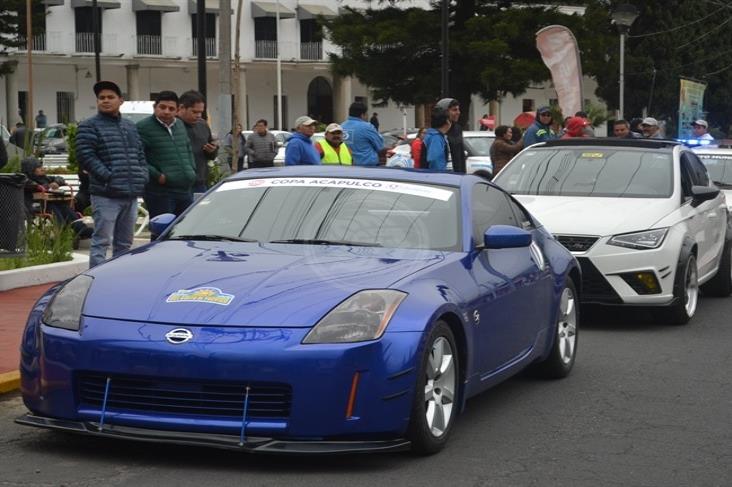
228 442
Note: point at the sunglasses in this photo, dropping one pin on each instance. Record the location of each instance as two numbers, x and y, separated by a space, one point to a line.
545 114
336 133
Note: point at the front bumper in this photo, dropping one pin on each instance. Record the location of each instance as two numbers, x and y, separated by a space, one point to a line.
229 442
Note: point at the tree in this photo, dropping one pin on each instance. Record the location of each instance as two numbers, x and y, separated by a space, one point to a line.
13 27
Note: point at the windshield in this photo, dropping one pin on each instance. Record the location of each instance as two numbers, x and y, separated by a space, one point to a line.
601 172
719 167
135 117
335 211
479 146
53 133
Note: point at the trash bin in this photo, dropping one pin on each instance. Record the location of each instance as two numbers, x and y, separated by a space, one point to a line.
12 215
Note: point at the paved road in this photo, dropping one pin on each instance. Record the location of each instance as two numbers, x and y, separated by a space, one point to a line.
647 405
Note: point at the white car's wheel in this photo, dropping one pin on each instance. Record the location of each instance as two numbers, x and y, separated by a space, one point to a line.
686 292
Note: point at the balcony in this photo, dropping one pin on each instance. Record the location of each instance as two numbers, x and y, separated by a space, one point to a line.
265 49
210 46
149 45
38 43
311 51
85 42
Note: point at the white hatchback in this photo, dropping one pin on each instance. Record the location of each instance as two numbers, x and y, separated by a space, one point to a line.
642 217
719 166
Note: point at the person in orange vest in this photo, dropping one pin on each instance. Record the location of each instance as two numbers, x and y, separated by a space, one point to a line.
332 150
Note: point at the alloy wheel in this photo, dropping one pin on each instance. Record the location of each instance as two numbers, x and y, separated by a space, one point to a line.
439 391
567 326
692 289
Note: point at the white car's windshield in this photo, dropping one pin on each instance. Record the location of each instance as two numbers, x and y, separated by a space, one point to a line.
479 146
337 211
589 171
719 167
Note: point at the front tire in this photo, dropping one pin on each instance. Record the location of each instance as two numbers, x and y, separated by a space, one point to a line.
434 408
721 284
686 292
561 359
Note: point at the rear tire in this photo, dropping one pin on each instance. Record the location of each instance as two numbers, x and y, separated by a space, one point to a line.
564 349
721 284
686 292
436 393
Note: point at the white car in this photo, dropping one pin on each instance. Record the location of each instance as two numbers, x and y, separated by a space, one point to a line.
477 150
642 217
719 166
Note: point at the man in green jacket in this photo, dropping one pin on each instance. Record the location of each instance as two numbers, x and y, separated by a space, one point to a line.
169 158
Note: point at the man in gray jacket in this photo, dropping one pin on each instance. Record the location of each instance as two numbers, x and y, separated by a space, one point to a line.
261 146
204 146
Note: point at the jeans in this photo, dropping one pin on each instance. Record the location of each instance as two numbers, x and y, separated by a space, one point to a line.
159 203
114 222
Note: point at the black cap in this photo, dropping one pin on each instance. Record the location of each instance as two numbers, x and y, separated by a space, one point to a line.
107 85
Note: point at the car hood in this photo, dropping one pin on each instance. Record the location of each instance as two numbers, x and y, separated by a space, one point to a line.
576 215
242 284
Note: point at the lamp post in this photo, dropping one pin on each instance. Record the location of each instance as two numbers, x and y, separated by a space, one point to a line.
623 16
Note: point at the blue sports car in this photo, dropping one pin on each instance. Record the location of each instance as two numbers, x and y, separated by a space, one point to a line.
306 310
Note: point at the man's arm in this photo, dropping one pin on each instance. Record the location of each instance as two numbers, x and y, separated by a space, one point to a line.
250 147
87 143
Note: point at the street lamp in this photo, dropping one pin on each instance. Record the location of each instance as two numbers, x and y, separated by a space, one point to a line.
623 16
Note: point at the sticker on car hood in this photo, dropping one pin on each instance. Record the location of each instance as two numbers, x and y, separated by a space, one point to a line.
368 184
211 295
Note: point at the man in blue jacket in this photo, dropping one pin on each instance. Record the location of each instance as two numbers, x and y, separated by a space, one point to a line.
361 137
435 143
300 149
110 150
541 129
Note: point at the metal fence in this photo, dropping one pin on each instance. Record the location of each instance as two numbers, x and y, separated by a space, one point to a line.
12 215
210 46
149 44
265 49
312 51
85 42
38 43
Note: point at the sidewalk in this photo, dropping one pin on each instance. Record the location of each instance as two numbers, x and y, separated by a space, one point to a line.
15 305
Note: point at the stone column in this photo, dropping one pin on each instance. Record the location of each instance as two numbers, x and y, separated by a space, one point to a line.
133 82
11 95
494 108
342 96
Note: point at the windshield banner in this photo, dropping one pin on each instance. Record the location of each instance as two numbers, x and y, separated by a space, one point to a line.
366 184
691 106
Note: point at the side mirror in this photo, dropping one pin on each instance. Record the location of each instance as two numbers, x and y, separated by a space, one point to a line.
159 223
506 237
703 193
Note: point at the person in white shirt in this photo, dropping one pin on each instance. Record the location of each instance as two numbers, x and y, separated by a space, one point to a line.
699 130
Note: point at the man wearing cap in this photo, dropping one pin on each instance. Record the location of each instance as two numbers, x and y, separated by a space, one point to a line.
300 149
699 130
451 107
650 128
110 150
364 141
332 150
541 129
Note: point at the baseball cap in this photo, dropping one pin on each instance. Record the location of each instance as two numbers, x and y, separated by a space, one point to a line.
543 110
106 85
702 123
333 127
650 121
304 120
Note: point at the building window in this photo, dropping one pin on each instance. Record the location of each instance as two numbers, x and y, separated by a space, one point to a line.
23 106
553 102
149 32
265 38
311 39
84 21
65 107
528 105
210 34
277 124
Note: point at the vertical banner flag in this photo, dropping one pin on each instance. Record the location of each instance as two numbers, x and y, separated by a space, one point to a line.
559 51
691 106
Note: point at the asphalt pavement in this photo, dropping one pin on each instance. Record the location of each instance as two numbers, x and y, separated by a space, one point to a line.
646 405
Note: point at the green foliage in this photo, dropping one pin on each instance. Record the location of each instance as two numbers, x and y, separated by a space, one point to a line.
13 164
71 131
46 242
13 26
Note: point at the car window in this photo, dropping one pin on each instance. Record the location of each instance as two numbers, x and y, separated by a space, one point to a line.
392 214
490 207
719 167
590 171
522 217
479 146
699 174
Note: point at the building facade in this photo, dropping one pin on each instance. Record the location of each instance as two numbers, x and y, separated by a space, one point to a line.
150 45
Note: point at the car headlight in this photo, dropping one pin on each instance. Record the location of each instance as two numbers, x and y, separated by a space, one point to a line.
64 310
364 316
650 239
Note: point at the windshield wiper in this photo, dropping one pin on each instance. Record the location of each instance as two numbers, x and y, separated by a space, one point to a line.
722 185
211 238
313 241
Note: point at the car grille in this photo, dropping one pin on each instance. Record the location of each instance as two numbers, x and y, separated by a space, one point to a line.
266 400
595 288
577 243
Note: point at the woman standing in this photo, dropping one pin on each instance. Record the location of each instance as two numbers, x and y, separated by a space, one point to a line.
417 145
503 149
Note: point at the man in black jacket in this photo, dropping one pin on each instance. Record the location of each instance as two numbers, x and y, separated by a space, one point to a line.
3 154
191 108
455 135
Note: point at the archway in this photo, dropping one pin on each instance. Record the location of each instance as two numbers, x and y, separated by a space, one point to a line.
320 100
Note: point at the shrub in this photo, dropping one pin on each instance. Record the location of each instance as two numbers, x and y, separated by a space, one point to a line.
47 241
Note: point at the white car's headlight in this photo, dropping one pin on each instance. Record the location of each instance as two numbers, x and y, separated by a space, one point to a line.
64 310
364 316
650 239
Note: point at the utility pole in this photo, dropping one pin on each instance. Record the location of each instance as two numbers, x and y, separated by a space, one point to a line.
445 46
224 66
97 27
29 120
201 46
237 92
280 122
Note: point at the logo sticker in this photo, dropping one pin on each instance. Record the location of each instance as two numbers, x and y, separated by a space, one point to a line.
211 295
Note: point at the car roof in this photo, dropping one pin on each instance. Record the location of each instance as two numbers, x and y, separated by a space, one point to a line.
478 133
358 172
610 142
713 150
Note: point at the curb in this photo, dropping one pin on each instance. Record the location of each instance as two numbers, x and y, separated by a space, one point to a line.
9 381
42 274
